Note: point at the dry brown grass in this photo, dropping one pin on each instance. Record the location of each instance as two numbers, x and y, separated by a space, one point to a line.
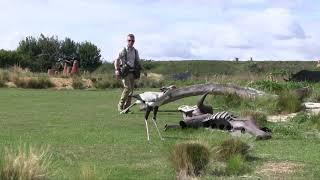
190 158
278 169
26 163
232 147
87 173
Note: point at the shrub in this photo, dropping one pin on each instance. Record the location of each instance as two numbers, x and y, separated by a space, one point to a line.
288 102
4 76
190 157
77 83
231 147
26 163
236 165
106 82
2 83
42 82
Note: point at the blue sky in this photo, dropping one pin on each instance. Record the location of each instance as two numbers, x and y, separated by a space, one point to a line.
181 29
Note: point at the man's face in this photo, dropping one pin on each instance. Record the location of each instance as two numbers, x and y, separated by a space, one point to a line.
130 41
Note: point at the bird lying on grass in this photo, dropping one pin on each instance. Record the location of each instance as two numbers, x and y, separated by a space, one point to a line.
152 101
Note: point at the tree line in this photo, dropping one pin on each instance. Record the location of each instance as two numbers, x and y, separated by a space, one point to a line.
42 53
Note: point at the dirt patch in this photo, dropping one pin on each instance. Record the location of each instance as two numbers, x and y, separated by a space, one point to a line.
278 169
281 117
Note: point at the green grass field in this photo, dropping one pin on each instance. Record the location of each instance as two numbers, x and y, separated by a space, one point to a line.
83 128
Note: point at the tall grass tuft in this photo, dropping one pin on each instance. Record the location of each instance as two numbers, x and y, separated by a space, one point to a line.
41 82
77 83
231 147
2 83
4 75
26 163
288 102
315 121
190 158
236 165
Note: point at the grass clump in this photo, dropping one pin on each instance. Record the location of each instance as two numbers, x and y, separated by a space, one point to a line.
267 85
315 121
4 75
232 147
77 83
236 165
307 121
288 102
315 96
2 83
26 163
106 82
41 82
190 158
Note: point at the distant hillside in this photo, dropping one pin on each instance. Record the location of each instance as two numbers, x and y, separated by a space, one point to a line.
206 67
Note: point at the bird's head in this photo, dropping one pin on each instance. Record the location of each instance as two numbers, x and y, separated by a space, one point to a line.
165 89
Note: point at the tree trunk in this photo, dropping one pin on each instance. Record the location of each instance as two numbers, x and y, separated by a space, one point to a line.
214 88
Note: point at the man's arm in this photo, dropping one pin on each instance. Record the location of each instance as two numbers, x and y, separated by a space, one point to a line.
117 65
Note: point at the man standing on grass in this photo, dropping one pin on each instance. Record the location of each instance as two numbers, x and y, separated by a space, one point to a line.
127 68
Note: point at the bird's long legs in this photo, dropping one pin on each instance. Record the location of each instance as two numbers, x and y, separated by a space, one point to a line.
146 122
155 111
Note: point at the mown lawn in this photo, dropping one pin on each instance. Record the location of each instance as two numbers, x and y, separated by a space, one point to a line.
83 128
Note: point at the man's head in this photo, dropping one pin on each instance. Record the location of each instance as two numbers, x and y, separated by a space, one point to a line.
130 40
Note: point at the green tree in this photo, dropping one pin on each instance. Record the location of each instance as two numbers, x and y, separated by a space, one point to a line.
50 47
90 57
9 58
39 54
69 48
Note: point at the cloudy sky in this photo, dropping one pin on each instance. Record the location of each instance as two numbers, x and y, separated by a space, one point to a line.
167 29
